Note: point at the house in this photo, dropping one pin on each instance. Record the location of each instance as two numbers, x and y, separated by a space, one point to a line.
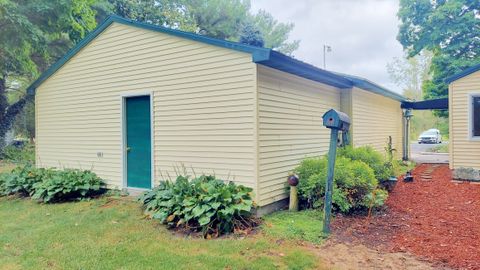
134 102
464 109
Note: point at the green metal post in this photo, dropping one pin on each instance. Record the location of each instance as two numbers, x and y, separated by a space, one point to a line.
332 153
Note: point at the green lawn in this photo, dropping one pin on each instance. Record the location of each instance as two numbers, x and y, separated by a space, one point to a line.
112 234
6 167
304 225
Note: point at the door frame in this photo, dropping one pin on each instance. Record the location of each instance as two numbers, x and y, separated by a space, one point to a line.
123 124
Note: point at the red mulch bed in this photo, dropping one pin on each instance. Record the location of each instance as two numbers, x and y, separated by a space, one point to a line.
432 217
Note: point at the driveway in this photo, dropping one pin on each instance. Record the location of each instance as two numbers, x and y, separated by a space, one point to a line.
420 154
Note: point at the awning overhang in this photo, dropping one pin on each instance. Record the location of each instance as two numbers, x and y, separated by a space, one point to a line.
432 104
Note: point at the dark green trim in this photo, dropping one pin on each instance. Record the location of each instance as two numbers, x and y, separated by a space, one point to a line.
263 56
432 104
372 87
291 65
464 73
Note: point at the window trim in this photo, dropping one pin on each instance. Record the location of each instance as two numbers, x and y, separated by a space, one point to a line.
471 96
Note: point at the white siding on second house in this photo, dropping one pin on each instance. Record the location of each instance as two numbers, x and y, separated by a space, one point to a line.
290 127
464 150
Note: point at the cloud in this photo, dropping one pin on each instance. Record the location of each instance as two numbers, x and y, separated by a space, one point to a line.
362 34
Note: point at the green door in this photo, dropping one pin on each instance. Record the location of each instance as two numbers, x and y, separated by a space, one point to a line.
138 142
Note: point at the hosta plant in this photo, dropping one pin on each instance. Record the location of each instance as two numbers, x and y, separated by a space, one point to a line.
68 184
51 185
20 181
204 204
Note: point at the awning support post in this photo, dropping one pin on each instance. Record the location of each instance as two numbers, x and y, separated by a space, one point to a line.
407 115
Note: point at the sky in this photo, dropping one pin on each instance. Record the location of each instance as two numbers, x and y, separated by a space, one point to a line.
361 33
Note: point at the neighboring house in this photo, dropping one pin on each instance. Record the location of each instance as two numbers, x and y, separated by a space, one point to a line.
135 102
464 110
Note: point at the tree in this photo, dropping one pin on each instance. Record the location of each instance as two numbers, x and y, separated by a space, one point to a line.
449 29
32 34
166 13
251 35
274 33
221 19
410 73
228 19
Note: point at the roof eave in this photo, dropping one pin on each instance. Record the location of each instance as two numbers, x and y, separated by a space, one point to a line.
462 74
374 88
367 85
290 65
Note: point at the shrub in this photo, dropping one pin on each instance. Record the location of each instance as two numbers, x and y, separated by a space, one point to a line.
50 185
381 167
354 182
19 154
203 204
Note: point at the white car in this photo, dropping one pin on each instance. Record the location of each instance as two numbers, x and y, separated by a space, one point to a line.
430 136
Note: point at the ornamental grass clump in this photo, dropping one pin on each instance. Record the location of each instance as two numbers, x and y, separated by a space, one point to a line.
203 204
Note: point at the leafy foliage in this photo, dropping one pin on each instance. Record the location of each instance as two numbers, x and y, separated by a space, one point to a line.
19 154
353 182
21 180
218 18
66 185
382 169
160 12
50 185
203 204
449 29
32 34
275 34
410 73
223 19
251 36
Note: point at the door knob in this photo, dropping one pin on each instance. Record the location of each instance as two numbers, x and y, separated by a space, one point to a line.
128 149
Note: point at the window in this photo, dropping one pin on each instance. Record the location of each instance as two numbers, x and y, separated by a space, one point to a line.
475 116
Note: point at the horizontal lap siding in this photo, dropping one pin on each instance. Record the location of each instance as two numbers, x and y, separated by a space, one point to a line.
203 100
464 152
374 118
290 127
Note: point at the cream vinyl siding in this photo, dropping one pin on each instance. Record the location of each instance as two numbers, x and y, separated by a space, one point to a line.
203 106
290 112
464 151
374 118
